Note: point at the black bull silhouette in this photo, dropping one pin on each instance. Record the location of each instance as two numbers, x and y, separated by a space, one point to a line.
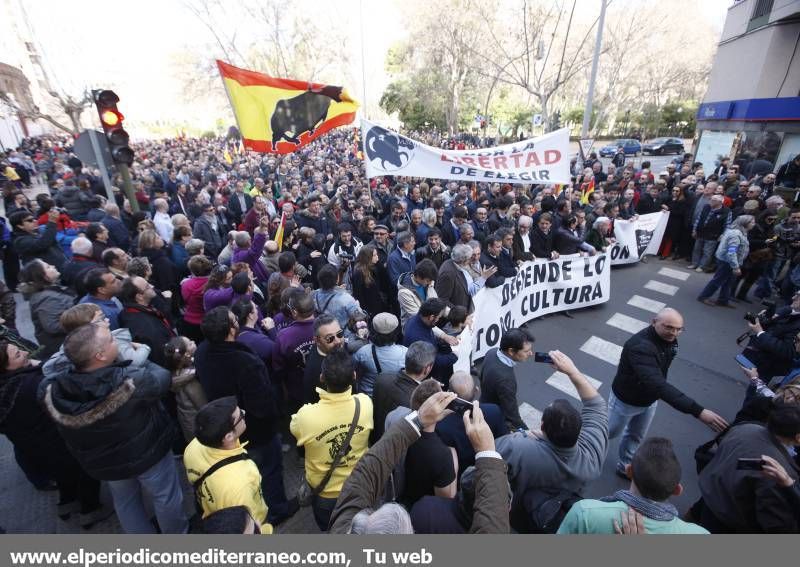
386 146
303 113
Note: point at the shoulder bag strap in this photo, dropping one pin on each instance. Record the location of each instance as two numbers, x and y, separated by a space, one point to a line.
214 468
375 359
342 451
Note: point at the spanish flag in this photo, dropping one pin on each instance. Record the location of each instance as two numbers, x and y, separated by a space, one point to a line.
282 115
586 190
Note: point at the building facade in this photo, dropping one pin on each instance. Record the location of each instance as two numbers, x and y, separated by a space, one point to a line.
751 111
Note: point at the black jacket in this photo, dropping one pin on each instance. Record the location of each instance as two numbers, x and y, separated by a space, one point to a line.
641 376
518 248
392 390
505 268
232 369
164 277
747 501
541 243
773 350
499 386
438 257
148 326
711 224
44 247
495 221
235 207
74 272
112 419
451 286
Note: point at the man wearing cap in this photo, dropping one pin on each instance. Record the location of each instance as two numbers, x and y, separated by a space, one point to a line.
383 354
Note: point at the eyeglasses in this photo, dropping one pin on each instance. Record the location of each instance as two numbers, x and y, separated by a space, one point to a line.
240 419
673 329
330 338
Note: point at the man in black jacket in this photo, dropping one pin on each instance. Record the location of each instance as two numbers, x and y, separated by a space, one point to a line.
750 501
229 368
147 324
434 249
30 245
712 222
772 347
111 417
641 381
498 383
496 255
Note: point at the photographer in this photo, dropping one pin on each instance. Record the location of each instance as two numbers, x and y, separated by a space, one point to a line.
771 346
343 253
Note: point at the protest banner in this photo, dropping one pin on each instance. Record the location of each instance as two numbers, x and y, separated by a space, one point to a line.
538 160
638 237
539 288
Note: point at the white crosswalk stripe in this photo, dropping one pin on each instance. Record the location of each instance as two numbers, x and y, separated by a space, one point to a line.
674 274
560 381
627 324
646 303
530 415
660 287
603 349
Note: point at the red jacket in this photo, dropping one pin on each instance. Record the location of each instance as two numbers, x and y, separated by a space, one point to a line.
192 293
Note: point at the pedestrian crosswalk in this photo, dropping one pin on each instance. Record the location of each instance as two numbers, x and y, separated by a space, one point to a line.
560 381
628 324
530 415
647 304
674 274
661 287
604 350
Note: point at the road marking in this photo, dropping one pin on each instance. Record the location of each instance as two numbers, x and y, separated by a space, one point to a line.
647 304
530 415
627 324
674 274
603 349
661 287
561 381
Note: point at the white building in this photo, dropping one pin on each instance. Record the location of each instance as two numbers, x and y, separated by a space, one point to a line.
751 111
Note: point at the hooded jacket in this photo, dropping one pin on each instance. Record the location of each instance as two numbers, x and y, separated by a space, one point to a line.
47 305
112 418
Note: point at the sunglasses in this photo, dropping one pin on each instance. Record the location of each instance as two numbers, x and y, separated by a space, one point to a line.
241 418
330 338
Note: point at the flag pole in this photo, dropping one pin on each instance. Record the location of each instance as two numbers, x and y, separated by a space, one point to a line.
228 94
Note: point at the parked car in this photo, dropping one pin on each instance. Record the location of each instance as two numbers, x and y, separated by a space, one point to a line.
658 146
629 145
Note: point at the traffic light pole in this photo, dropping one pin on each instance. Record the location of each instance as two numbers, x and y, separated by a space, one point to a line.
101 163
587 112
127 186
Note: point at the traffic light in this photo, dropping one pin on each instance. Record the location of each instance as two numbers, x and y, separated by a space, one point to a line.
111 119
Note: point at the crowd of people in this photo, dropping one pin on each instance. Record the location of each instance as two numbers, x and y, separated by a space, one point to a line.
248 303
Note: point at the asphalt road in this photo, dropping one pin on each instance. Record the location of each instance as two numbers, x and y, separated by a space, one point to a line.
704 367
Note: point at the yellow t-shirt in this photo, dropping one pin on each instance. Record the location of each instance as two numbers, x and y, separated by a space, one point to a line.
11 173
322 428
236 484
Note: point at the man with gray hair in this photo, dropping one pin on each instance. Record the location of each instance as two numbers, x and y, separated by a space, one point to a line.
455 284
118 234
74 270
402 260
713 220
394 389
162 220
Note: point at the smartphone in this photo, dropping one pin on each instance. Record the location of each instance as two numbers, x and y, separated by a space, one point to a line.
749 464
542 357
744 362
460 406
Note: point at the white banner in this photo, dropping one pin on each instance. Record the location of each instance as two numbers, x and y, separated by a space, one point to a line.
635 238
540 287
539 160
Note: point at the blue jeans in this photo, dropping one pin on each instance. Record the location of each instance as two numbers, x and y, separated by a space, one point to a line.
767 280
269 460
722 280
323 509
703 252
161 484
634 420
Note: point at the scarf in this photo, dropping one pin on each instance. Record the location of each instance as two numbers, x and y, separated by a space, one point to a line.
659 511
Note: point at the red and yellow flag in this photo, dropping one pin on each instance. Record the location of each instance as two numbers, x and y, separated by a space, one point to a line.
586 190
282 115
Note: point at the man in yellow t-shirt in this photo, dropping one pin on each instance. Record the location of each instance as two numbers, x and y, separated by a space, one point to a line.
322 429
218 426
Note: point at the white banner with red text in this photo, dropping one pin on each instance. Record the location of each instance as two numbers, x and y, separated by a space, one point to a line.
538 160
637 237
539 288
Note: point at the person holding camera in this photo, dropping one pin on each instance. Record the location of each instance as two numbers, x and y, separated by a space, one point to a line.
772 342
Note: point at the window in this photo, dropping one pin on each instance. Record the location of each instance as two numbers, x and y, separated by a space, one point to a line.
760 16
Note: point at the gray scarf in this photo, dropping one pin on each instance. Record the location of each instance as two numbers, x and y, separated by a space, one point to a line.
659 511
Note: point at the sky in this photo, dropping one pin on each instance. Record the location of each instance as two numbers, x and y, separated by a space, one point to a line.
76 41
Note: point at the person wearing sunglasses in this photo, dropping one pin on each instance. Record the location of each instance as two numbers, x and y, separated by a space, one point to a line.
328 337
30 245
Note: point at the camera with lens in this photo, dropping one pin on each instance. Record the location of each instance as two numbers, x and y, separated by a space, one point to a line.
346 259
763 317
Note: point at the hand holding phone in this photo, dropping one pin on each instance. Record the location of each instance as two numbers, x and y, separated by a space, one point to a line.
542 357
750 464
744 362
460 406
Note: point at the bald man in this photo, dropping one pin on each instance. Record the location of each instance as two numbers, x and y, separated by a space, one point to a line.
641 381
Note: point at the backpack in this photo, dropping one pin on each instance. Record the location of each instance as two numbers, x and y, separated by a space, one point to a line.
544 509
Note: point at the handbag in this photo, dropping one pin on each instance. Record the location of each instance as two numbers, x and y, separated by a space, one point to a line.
306 492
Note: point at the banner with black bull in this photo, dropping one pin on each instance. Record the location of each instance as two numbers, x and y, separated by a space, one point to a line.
539 288
636 238
539 160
